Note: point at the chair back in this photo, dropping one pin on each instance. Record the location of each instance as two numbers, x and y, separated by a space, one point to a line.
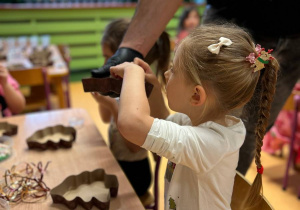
154 205
156 183
65 53
33 77
240 190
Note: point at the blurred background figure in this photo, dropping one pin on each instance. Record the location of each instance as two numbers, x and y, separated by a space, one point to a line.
132 158
189 19
11 99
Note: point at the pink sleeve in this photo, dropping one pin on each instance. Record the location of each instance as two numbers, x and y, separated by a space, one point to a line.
13 82
182 35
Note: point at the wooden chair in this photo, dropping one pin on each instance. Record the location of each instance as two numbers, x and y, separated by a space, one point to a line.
292 151
34 79
240 190
154 205
65 53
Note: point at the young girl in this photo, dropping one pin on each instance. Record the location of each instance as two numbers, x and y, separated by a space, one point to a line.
132 158
189 19
216 70
11 99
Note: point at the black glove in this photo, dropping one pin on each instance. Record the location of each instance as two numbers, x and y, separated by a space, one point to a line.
122 55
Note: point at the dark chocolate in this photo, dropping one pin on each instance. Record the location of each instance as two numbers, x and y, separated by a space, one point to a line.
108 85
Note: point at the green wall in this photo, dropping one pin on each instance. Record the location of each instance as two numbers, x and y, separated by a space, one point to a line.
80 29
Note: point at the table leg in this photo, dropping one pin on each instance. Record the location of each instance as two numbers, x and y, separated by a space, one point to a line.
59 84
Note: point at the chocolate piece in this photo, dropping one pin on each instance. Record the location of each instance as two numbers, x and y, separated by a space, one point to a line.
41 57
53 137
108 85
7 129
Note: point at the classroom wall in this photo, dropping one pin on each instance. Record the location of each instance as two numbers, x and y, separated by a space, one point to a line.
79 28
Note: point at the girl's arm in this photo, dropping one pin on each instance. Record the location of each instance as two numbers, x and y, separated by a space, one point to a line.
134 120
108 107
157 103
158 108
105 113
14 98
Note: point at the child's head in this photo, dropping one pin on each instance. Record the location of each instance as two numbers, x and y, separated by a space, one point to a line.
228 78
160 52
112 37
189 19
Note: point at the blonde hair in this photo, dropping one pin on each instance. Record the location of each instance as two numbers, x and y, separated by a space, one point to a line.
228 79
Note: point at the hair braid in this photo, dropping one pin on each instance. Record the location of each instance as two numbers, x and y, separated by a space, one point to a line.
268 84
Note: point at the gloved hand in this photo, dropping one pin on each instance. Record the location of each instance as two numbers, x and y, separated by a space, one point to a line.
123 54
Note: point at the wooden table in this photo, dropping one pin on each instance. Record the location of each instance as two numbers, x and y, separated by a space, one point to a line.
88 152
56 73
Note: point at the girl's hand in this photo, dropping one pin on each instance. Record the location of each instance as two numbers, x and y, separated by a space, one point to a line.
103 100
144 65
118 71
149 75
3 75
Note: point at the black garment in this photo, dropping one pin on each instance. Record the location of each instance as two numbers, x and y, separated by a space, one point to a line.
263 17
121 55
138 173
3 105
274 25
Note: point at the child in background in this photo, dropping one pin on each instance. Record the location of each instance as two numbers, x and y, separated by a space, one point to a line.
11 99
216 70
132 158
189 19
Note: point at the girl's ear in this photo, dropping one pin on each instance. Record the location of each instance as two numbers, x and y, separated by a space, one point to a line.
199 96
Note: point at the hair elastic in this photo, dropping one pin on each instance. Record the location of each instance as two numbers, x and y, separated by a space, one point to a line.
260 170
259 61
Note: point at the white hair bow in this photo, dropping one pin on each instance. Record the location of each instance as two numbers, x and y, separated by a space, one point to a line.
215 48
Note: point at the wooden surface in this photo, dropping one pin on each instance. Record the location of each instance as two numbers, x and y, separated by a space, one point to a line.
89 152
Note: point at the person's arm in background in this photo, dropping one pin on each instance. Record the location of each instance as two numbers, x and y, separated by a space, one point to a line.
14 99
108 107
149 21
158 108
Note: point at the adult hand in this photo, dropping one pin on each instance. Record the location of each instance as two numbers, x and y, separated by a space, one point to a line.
3 75
122 55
